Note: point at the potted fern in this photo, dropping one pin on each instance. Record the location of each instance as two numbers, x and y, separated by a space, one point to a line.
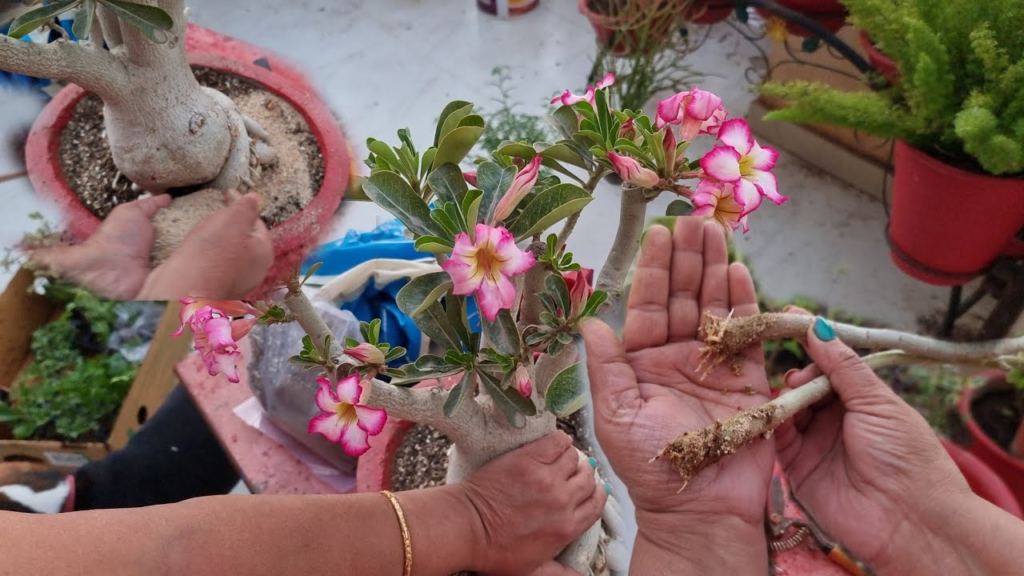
958 197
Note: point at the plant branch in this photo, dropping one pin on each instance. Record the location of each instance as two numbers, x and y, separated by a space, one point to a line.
95 70
111 27
626 244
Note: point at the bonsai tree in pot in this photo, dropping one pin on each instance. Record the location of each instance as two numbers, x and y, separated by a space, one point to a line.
487 229
958 196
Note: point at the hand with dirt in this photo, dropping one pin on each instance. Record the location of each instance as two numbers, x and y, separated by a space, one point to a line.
225 257
113 262
648 389
873 474
532 502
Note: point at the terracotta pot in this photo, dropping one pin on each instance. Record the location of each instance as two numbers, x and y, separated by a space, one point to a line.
947 225
709 11
291 239
885 65
626 42
830 14
1008 468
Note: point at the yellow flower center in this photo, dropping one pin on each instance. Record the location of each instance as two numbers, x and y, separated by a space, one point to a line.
345 412
488 263
746 166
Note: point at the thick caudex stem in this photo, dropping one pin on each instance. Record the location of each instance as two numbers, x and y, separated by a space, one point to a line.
632 216
694 451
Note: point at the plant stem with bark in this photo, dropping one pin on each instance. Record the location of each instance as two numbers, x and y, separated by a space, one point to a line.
632 217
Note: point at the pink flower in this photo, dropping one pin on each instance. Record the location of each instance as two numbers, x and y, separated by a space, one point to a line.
632 171
216 339
470 176
744 164
484 268
669 146
521 186
344 419
579 294
366 353
568 98
523 384
230 308
696 112
717 200
627 130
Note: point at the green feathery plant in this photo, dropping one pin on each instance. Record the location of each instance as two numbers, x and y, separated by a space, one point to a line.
961 91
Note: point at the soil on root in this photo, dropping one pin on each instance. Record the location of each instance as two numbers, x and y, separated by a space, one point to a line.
999 412
287 185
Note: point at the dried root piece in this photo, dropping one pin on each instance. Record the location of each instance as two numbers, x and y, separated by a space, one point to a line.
725 338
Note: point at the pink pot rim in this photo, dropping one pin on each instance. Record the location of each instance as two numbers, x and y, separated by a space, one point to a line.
48 179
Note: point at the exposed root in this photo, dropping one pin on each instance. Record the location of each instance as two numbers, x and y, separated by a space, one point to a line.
250 149
694 451
726 337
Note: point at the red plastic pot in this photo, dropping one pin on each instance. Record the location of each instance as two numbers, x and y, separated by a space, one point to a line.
830 14
1009 469
885 65
625 41
709 11
293 238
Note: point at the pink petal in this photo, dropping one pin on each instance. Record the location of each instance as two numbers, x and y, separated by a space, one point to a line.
371 420
222 363
722 163
607 81
714 124
736 133
768 185
326 399
218 333
589 97
327 425
670 110
513 260
349 389
354 440
240 328
465 276
748 195
489 236
702 104
763 158
705 210
470 175
523 383
493 297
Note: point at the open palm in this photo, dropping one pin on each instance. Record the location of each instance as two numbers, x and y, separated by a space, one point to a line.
648 388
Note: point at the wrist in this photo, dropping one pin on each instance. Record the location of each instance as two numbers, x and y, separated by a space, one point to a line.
445 529
698 543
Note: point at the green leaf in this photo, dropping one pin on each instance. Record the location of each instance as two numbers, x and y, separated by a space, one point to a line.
679 208
427 161
395 353
420 292
449 225
594 303
494 180
33 19
549 207
471 209
433 245
455 310
351 342
82 28
458 394
508 400
414 374
433 322
557 288
448 184
450 109
503 334
455 145
517 150
312 270
392 193
567 392
565 120
385 152
564 153
147 19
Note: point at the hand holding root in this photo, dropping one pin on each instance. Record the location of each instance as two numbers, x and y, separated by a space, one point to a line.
726 338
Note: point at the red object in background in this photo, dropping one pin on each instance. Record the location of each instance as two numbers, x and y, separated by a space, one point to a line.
709 11
983 480
1010 469
515 7
830 14
885 65
950 221
292 239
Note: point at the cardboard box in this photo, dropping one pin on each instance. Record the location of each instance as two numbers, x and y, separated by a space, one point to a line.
860 160
21 312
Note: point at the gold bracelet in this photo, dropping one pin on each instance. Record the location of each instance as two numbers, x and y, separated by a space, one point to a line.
406 540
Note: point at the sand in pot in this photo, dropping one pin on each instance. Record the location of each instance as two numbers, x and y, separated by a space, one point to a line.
287 185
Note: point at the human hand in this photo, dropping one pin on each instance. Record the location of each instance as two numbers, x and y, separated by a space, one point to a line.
113 262
866 465
532 502
647 390
224 257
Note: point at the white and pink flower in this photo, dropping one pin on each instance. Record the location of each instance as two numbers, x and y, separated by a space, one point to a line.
523 383
521 186
470 177
484 268
567 98
695 112
632 171
345 420
366 353
230 308
717 200
216 339
579 294
744 164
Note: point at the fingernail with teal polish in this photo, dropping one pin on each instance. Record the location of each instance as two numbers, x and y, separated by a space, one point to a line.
823 330
593 462
607 488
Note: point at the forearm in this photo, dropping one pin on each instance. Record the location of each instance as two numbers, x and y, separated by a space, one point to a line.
699 547
253 535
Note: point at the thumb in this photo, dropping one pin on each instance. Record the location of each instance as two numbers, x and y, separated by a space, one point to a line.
552 568
613 386
852 379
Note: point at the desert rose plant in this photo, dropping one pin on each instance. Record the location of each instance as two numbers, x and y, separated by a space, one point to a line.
487 229
165 130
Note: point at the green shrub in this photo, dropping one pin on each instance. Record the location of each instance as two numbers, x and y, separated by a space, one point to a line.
961 92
